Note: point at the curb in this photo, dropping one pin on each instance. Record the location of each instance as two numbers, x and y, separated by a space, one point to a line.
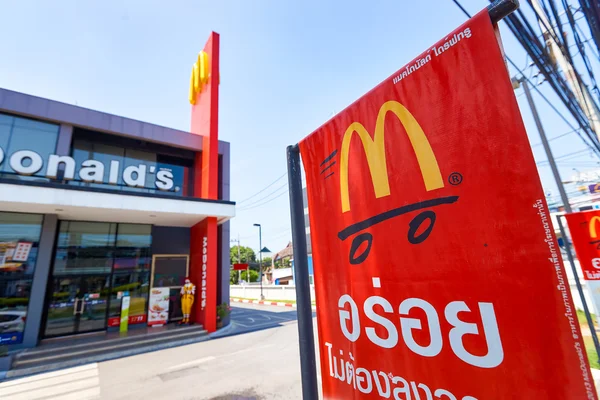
268 303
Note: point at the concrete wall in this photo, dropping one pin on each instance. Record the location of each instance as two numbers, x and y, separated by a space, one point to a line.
271 292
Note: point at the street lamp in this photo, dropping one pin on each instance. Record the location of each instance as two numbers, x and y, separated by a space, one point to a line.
260 257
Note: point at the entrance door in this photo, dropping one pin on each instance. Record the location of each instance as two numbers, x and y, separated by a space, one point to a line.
78 305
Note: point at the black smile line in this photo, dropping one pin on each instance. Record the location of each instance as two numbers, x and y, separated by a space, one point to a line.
362 225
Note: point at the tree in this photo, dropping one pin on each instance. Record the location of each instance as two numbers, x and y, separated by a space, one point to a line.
246 253
282 263
253 276
233 277
266 262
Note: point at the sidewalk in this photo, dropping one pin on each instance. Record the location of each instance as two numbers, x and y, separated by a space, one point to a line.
285 303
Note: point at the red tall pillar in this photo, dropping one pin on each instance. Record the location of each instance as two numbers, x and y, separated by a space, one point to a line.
203 239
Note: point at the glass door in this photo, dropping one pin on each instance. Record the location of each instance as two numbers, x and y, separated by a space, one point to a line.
78 305
78 289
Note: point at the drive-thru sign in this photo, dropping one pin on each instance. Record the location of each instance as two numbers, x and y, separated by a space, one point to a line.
436 268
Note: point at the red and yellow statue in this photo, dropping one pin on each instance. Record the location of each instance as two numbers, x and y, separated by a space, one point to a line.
187 300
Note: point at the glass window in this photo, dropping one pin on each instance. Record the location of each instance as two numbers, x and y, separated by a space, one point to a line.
137 285
84 248
18 133
119 252
19 241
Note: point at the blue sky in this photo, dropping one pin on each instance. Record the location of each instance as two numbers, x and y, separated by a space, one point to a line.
286 67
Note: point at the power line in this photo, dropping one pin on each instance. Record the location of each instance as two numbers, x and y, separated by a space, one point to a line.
565 156
265 197
556 137
263 189
262 204
595 145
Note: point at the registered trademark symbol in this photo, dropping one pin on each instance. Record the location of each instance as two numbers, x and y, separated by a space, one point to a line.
455 178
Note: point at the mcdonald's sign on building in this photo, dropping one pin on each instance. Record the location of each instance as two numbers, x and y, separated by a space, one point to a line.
431 283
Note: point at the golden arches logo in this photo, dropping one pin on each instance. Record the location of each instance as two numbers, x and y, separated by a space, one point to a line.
592 226
374 149
200 74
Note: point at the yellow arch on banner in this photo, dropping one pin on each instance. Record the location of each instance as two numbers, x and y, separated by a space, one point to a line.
375 152
593 231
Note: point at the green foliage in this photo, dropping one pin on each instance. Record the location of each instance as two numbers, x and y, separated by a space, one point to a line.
253 276
267 262
246 253
233 277
223 311
283 263
13 301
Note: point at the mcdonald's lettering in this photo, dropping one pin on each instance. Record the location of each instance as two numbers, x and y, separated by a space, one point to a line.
200 74
375 152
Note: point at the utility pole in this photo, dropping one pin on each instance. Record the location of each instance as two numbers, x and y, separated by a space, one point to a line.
580 90
262 297
567 207
240 259
551 161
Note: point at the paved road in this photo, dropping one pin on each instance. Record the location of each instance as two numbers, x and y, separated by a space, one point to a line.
259 362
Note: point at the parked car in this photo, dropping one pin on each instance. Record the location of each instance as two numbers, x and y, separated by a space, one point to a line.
12 321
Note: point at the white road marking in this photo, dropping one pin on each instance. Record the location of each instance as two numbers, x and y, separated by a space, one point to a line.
79 383
192 363
49 375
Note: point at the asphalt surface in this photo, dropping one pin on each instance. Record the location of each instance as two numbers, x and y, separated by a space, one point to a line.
249 317
258 360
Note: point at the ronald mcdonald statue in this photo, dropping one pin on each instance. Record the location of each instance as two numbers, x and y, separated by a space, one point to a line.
187 300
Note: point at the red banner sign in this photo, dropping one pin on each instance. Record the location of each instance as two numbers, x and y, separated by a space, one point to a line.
240 267
585 231
133 319
430 282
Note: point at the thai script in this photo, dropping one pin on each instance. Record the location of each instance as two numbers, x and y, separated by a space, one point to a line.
384 384
353 325
437 51
563 289
204 261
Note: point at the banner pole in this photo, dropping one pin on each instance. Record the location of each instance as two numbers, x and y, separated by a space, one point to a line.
306 337
586 310
501 8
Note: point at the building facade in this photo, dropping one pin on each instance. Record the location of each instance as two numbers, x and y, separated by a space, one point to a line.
95 207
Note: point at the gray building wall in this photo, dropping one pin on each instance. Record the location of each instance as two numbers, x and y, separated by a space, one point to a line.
35 311
170 240
166 240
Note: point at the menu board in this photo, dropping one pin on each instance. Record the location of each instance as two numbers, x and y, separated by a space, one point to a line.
169 271
158 308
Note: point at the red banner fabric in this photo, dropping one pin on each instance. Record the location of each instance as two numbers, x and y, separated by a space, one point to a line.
437 272
585 231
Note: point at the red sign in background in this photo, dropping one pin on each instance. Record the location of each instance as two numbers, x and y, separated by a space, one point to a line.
585 231
240 267
431 282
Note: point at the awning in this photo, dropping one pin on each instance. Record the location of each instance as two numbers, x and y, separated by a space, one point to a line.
84 204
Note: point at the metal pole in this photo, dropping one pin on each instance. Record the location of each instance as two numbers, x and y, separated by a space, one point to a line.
262 297
501 8
239 260
538 122
586 310
308 364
